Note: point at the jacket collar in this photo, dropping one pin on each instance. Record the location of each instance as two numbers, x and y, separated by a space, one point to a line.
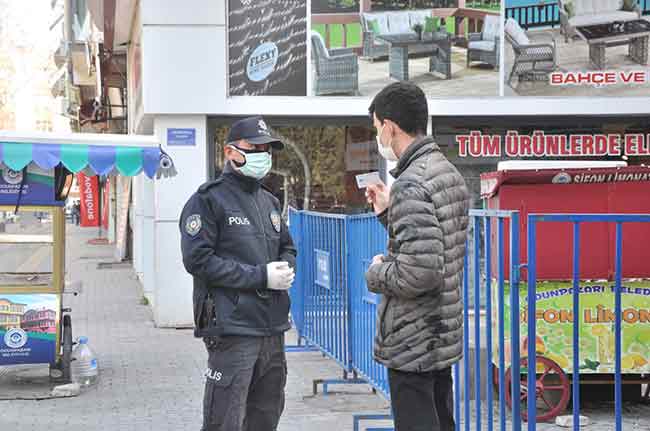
247 184
420 147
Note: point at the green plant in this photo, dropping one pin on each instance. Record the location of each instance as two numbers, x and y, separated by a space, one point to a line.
418 28
144 301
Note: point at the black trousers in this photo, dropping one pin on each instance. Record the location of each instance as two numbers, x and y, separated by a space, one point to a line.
244 386
422 401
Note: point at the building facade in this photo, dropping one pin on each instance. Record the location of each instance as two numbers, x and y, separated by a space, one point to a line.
183 84
11 314
43 320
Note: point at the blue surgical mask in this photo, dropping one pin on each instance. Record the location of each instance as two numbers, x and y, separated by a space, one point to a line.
256 164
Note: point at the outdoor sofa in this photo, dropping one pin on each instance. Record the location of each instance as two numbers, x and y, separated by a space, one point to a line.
577 13
375 24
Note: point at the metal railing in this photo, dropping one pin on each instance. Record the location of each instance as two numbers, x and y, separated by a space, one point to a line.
367 238
535 15
547 14
339 316
320 302
577 220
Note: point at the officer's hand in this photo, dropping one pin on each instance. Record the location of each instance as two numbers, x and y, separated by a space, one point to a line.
279 275
378 195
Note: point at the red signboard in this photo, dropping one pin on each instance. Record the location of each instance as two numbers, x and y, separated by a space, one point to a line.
89 193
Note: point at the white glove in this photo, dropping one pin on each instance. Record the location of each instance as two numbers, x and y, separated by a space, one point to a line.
279 275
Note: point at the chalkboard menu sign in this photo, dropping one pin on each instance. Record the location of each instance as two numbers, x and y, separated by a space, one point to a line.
267 47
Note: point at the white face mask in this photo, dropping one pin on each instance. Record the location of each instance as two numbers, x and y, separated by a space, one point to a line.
386 152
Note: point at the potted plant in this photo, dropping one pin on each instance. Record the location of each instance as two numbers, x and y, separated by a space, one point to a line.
417 28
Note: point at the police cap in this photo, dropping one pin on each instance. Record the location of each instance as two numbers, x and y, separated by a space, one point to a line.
254 131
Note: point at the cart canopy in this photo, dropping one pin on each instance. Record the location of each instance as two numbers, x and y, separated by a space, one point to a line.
92 154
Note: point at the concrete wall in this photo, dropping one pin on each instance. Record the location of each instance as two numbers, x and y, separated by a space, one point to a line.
172 288
184 56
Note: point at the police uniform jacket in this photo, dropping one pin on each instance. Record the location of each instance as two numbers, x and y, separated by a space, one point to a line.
230 229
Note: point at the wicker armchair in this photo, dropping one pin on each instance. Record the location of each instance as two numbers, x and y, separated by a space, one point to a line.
484 46
336 71
533 61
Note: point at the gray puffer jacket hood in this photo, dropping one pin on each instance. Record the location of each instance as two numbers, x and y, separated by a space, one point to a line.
419 319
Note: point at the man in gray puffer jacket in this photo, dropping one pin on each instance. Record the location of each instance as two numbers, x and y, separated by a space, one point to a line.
419 320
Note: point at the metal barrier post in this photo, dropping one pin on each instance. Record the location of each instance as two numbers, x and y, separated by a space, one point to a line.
477 322
576 326
514 321
531 338
501 324
488 324
618 396
466 337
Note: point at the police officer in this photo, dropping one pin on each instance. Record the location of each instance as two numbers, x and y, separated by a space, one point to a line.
239 251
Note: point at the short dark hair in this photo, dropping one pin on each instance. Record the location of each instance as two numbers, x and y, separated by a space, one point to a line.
403 103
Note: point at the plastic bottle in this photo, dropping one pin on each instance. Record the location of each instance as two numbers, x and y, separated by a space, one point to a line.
84 368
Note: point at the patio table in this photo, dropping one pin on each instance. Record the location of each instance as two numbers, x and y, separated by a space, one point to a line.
635 34
398 53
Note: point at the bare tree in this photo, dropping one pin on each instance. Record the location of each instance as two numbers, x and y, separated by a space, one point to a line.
305 166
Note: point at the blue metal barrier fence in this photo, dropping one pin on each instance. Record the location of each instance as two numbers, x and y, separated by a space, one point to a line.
320 301
332 308
577 220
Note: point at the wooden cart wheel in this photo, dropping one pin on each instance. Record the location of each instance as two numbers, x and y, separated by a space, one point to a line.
552 391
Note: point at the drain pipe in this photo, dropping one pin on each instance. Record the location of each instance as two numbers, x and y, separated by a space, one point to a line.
68 19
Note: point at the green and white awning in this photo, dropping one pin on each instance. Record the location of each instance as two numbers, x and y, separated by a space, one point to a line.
93 154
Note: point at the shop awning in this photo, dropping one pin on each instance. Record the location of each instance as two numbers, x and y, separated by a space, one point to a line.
93 154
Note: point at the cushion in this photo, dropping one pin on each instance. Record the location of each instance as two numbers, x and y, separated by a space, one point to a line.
516 32
399 23
373 26
431 24
491 27
419 16
381 21
602 18
482 45
629 5
588 7
570 9
583 7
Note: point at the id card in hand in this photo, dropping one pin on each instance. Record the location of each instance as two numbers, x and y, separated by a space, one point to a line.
365 180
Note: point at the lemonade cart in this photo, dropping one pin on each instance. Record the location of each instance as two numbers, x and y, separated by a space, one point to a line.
36 174
585 187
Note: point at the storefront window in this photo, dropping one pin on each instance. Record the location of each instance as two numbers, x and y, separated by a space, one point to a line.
317 169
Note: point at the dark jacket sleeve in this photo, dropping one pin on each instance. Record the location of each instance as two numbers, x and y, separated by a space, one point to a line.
288 251
417 266
383 218
199 257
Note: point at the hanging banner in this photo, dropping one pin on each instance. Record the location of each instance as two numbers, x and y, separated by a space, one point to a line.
267 47
89 191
